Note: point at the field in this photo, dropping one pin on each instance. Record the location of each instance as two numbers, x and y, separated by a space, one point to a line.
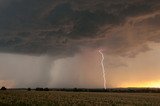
56 98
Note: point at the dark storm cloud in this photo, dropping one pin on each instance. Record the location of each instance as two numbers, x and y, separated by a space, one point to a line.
62 27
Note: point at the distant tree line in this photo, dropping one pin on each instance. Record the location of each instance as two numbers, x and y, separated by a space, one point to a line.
42 89
120 90
127 90
39 89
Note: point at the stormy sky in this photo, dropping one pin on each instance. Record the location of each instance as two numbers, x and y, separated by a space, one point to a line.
55 43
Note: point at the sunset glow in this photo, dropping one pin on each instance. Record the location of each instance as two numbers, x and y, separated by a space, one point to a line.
149 84
7 83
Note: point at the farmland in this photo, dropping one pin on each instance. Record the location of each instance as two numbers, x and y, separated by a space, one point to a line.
55 98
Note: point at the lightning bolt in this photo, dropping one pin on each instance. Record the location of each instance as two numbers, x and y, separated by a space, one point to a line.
103 69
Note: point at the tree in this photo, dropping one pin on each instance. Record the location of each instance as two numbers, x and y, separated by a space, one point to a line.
46 89
39 89
29 89
3 88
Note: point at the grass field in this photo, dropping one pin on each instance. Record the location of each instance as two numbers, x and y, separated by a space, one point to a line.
54 98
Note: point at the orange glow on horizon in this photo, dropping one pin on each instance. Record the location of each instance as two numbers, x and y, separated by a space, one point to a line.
7 83
148 84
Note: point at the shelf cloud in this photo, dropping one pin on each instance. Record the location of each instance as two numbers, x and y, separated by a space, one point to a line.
64 27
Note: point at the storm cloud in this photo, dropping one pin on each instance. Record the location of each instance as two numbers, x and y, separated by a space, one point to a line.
64 27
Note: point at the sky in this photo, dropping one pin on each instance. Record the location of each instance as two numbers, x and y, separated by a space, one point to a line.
55 43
